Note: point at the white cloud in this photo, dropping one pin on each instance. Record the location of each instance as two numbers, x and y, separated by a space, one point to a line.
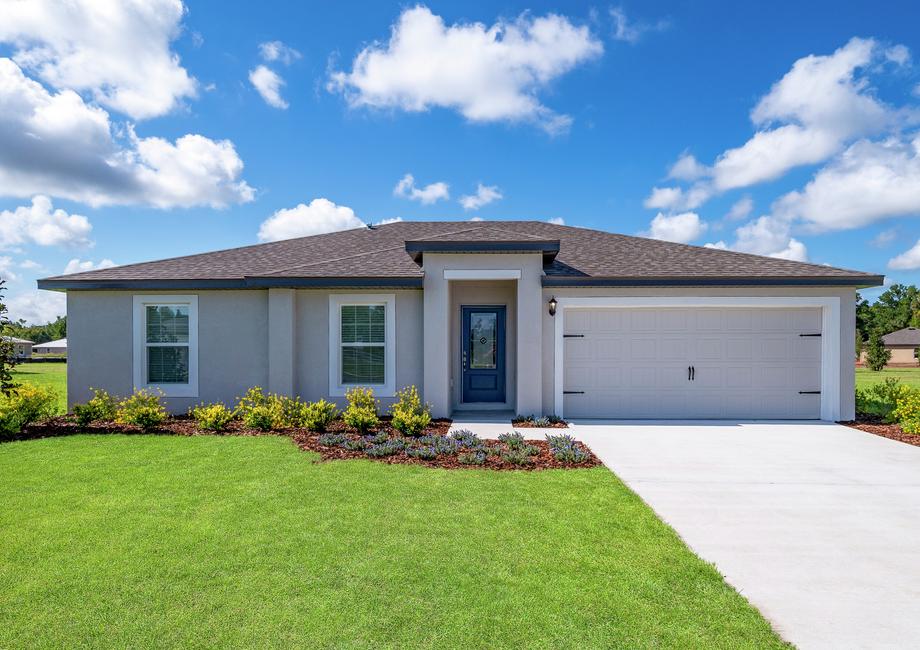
320 216
485 194
488 74
664 198
278 51
384 222
631 32
431 193
767 235
884 238
41 224
56 144
117 51
78 266
870 181
269 85
6 268
37 307
687 168
682 228
30 265
741 209
898 54
557 221
909 260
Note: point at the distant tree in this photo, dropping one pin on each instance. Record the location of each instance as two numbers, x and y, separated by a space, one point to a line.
7 349
859 345
40 333
877 355
917 355
895 309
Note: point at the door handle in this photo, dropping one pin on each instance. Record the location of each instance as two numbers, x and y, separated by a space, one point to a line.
692 373
689 373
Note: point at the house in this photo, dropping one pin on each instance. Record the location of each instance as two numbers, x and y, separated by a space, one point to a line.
902 344
58 347
524 316
22 348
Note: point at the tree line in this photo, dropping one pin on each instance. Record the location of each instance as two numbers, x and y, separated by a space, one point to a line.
898 307
37 333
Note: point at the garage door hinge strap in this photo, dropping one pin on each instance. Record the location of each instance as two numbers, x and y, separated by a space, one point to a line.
573 392
573 336
809 392
818 334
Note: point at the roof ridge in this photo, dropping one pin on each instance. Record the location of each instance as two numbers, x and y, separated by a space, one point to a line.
325 261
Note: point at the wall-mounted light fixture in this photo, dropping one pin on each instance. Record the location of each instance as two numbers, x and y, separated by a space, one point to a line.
552 306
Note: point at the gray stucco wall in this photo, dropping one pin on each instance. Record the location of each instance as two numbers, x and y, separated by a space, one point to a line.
232 344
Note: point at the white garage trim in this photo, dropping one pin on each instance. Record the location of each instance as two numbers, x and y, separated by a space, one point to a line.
830 335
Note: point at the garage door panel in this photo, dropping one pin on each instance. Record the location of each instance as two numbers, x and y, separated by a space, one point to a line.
749 363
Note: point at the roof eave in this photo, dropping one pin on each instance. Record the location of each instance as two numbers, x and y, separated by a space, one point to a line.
62 284
859 282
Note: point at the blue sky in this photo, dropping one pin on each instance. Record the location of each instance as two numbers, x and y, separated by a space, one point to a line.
148 131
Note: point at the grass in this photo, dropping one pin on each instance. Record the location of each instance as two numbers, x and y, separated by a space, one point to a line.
45 374
234 541
908 376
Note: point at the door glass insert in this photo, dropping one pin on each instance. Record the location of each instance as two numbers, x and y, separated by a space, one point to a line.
483 340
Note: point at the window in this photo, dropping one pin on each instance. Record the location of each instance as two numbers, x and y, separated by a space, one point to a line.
362 342
165 344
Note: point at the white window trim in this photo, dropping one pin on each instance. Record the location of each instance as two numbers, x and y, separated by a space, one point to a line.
140 343
830 333
336 302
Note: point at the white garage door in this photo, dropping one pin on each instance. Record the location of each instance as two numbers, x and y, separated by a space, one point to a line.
692 363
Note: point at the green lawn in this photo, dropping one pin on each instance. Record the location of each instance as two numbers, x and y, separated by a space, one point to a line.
210 541
46 374
908 376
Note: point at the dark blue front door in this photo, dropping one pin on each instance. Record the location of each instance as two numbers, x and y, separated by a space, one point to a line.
483 354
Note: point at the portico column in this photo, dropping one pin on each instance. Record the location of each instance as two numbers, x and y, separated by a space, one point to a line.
530 341
281 341
436 344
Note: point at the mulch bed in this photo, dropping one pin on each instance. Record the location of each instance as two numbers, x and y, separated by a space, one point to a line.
530 424
879 427
65 425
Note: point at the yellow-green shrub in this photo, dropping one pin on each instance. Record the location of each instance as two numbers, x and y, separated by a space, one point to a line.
410 416
24 405
361 412
143 408
212 417
101 407
907 410
318 415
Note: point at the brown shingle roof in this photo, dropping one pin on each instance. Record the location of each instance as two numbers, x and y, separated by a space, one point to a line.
378 255
907 336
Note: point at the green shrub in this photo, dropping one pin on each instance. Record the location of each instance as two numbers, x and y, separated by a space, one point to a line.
472 458
881 398
143 408
877 355
318 415
425 452
388 448
907 410
361 412
359 444
517 457
332 439
24 405
514 440
212 417
409 415
101 407
260 411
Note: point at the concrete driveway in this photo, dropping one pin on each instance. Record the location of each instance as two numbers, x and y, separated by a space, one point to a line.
818 525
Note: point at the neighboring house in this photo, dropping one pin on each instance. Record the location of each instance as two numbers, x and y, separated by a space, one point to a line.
902 344
22 348
58 347
523 316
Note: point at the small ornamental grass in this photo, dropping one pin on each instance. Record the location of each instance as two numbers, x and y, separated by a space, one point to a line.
361 412
144 409
332 439
423 452
24 405
472 458
388 448
517 457
409 416
212 417
101 407
467 439
513 440
565 449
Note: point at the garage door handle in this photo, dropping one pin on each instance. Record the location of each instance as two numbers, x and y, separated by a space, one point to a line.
692 373
573 336
689 373
809 392
573 392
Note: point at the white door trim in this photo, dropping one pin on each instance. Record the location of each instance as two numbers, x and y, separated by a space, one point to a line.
830 335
